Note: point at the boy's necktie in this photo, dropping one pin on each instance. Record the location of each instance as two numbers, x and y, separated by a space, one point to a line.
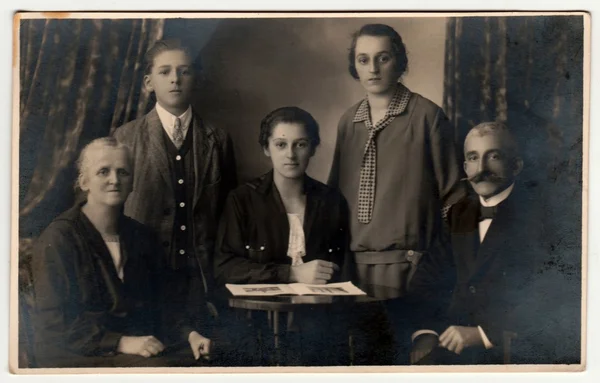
177 133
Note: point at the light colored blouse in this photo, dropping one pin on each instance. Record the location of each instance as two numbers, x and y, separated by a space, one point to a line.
114 247
296 246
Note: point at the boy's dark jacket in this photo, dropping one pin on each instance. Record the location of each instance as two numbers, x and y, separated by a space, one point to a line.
152 201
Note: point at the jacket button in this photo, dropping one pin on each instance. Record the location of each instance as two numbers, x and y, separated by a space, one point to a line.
472 289
165 243
247 247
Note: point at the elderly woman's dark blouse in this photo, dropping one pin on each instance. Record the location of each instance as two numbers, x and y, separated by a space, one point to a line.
82 307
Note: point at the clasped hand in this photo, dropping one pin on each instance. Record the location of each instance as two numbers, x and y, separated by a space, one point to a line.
455 339
148 346
145 346
315 272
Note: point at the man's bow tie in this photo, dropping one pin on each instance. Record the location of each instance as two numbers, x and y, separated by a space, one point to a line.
487 212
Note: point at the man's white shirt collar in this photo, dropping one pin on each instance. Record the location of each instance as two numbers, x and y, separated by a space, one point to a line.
498 198
492 201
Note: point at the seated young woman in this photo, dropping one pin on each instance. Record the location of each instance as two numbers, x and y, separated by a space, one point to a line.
100 287
286 227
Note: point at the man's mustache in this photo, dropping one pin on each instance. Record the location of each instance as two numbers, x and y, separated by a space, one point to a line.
485 176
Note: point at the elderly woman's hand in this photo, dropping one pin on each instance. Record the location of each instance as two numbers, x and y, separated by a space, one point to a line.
145 346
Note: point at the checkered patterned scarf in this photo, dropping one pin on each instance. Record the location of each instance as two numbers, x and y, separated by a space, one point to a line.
368 170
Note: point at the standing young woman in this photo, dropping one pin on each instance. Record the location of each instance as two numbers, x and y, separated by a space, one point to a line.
396 163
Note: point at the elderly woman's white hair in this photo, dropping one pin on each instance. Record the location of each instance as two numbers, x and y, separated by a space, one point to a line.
83 160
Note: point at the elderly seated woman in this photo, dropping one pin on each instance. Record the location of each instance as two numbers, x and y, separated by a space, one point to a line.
99 280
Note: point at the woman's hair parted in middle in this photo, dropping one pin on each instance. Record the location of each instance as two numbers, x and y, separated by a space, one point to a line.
83 160
290 115
377 30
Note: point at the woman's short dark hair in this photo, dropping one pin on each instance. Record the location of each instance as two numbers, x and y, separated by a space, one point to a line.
161 46
290 115
398 48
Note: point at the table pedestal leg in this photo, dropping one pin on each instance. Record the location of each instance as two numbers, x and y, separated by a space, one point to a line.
351 348
276 336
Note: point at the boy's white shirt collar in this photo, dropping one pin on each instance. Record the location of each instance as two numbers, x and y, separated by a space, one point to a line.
168 120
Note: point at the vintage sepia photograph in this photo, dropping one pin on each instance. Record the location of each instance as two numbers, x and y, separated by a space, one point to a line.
434 162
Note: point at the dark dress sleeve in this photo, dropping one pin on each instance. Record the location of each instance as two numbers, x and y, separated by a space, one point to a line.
233 263
431 288
61 323
447 159
334 173
345 258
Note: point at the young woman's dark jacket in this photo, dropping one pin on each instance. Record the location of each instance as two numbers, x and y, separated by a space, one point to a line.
253 235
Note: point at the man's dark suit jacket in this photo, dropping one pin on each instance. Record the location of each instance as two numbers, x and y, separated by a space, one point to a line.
82 307
495 284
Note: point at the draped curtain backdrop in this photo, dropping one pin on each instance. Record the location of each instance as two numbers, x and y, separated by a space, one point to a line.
79 80
528 73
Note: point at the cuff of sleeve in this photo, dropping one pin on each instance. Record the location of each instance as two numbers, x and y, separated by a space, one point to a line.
416 334
486 341
185 332
283 274
110 342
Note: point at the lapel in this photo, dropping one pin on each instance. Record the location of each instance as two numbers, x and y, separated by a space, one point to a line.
313 207
499 234
465 236
202 146
311 211
283 225
158 154
103 261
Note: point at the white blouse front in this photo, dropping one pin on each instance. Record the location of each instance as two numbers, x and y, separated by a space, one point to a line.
114 247
296 246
